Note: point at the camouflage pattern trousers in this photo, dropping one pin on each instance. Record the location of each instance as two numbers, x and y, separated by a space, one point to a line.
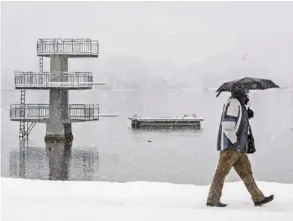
240 162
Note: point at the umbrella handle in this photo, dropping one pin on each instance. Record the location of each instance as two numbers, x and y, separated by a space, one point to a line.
219 93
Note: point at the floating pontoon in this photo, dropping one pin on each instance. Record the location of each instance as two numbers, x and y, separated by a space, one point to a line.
192 122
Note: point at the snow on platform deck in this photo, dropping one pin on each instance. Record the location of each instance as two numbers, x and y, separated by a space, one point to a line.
36 200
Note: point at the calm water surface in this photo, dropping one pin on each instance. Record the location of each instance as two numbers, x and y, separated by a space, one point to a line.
110 150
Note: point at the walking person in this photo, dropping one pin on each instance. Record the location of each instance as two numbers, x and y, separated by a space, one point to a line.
233 145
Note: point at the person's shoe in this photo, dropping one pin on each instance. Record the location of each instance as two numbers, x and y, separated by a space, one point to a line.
267 199
217 204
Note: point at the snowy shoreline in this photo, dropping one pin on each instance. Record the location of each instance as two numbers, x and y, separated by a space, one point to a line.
82 200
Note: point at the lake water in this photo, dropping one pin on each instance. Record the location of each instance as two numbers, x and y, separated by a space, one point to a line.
110 150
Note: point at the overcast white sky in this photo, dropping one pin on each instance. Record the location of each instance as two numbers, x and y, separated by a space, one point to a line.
209 35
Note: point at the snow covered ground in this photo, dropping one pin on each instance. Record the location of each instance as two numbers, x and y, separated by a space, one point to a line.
35 200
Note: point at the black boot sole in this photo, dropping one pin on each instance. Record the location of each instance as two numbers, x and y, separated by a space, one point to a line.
217 204
265 201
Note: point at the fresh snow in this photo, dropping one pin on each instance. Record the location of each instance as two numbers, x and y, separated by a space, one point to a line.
35 200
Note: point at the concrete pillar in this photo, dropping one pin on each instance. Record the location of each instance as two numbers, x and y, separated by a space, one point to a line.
59 136
59 160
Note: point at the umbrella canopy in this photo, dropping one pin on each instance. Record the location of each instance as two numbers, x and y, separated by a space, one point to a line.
247 83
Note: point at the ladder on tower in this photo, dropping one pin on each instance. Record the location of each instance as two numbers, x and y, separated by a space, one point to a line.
22 124
24 127
41 58
22 136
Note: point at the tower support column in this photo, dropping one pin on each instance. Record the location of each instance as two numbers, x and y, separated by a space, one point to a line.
59 136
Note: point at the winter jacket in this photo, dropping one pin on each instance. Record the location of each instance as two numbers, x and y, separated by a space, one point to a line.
233 127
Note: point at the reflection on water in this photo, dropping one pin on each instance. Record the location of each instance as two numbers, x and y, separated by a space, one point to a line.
78 164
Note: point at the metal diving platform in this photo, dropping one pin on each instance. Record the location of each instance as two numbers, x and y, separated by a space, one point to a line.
186 121
66 46
47 80
40 113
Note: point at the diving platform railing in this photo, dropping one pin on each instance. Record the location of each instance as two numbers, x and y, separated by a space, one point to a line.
40 112
47 80
69 47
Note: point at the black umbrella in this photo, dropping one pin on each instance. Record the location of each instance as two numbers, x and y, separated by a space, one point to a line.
247 83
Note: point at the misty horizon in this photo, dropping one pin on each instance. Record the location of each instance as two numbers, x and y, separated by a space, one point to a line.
158 44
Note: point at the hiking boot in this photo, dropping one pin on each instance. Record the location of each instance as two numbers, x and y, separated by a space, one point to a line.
219 204
267 199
